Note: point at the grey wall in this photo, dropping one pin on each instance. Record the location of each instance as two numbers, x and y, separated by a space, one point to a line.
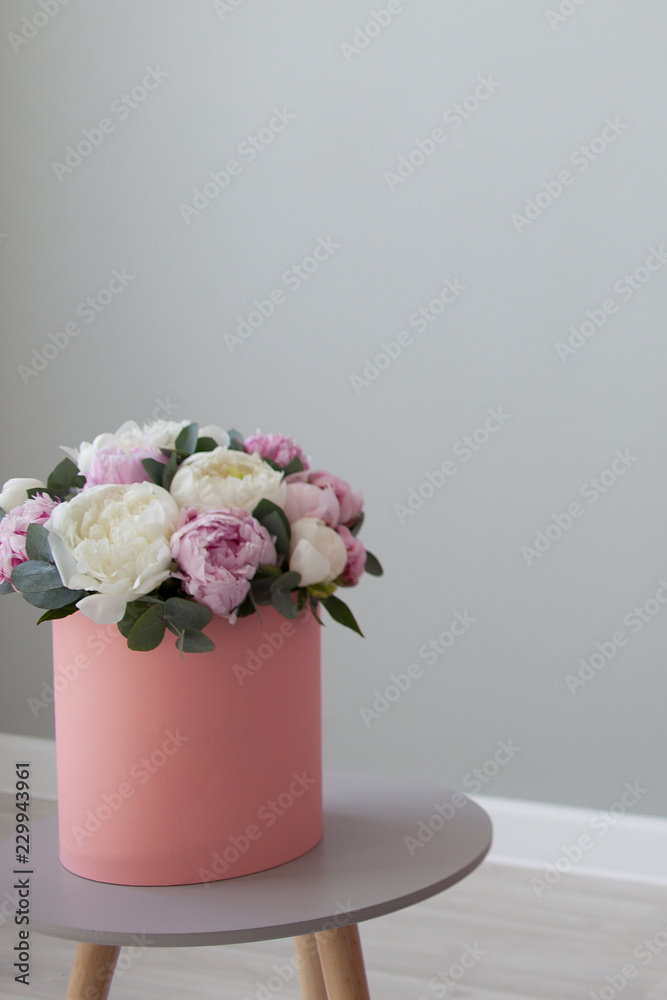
159 347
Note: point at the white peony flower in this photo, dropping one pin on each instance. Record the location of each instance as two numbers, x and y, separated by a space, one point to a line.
15 492
317 552
113 540
154 434
223 478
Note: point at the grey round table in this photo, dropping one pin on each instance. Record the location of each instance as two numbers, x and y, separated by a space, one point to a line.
388 842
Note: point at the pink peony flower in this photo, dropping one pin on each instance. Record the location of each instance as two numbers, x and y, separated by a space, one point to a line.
13 530
306 500
277 447
356 556
351 503
114 465
218 552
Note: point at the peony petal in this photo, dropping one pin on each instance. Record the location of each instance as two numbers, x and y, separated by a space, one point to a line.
103 609
62 554
307 561
14 492
220 436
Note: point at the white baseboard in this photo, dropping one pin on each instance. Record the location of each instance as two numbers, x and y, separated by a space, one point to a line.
558 840
536 835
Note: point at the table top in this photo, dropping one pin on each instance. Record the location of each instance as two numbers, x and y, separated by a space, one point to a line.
388 843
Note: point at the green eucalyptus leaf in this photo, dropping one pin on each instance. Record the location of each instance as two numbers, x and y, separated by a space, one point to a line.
194 641
170 470
283 603
302 598
133 611
287 581
236 440
187 439
36 575
3 513
313 605
206 444
186 614
356 527
37 543
58 597
279 529
340 613
148 630
54 613
65 476
295 465
273 518
372 564
154 469
265 507
6 588
260 589
246 607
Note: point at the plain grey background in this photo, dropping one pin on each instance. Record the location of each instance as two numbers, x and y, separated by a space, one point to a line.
358 86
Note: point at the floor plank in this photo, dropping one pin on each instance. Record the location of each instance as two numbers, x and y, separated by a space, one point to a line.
516 946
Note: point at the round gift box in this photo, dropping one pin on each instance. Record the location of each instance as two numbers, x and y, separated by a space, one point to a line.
175 770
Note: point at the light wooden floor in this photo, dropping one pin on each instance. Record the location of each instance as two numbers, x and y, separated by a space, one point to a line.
560 946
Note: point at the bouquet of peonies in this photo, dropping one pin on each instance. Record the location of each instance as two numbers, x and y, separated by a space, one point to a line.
159 527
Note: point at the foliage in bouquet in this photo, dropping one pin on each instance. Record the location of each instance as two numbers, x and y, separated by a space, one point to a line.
159 527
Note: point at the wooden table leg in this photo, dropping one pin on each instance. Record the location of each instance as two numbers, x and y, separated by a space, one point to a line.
92 972
343 963
310 968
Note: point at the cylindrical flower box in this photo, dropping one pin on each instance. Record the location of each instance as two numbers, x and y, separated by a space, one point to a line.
175 771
